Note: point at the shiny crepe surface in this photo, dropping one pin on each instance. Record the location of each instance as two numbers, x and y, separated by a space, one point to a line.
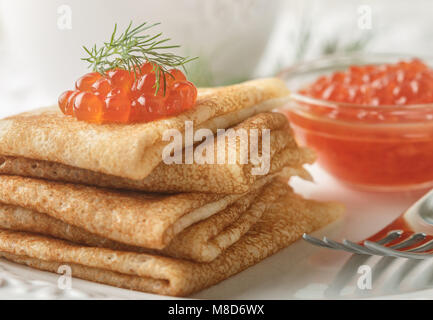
145 220
130 151
216 178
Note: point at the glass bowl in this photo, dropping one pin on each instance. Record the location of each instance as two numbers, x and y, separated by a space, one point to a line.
379 148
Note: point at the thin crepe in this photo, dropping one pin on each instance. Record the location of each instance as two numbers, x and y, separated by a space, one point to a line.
201 242
212 178
130 151
139 219
283 223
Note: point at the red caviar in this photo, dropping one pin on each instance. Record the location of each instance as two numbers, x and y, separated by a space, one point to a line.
402 83
86 82
88 107
365 134
63 102
127 97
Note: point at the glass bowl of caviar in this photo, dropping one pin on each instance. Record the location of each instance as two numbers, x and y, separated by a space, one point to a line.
368 117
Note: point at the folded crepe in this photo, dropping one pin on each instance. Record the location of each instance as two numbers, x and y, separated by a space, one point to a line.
213 178
282 223
134 150
201 242
138 219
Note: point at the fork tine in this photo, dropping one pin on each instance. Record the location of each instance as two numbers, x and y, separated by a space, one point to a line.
395 253
315 241
392 235
378 248
358 248
417 237
327 243
423 247
338 245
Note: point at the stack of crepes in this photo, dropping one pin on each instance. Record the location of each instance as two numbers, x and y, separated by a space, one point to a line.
100 199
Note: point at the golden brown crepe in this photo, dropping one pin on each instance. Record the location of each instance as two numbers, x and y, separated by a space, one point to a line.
207 239
134 150
201 242
212 178
283 223
139 219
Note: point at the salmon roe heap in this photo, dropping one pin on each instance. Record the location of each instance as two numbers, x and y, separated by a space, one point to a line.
402 83
121 96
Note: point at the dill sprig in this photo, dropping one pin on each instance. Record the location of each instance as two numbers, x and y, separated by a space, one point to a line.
131 49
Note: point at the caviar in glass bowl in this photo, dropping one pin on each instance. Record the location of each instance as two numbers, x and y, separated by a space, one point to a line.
369 118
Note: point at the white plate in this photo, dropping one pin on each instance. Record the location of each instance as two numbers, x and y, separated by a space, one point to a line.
297 272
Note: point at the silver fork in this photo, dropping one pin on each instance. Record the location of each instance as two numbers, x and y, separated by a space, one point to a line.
409 236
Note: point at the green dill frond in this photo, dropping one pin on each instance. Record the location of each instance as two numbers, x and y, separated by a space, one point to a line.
131 49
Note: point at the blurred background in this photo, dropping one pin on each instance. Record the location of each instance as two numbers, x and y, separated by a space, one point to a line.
41 41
